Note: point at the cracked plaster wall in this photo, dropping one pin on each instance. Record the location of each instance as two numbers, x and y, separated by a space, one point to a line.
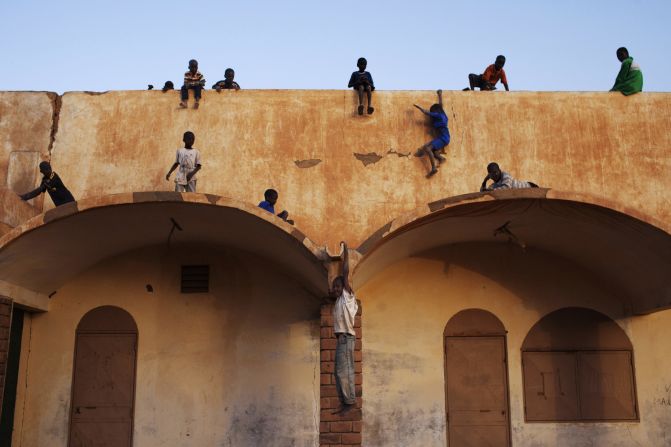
318 153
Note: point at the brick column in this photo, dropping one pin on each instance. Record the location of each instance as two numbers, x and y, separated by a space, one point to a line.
336 430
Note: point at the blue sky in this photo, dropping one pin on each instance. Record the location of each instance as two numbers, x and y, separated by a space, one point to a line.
103 45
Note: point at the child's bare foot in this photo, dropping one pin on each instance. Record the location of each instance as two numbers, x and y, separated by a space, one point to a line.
360 109
432 173
183 105
195 106
420 152
370 110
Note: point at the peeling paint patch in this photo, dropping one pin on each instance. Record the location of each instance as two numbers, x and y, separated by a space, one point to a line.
368 158
307 163
398 154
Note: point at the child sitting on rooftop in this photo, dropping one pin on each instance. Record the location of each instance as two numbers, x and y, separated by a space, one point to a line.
435 146
193 80
228 83
492 75
362 81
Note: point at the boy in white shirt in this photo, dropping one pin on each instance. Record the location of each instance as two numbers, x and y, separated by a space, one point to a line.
188 161
344 312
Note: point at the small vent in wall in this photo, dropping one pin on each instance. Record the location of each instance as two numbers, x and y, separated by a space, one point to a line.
195 278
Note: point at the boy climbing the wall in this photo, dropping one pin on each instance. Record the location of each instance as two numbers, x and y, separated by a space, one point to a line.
193 80
344 312
188 161
362 81
52 184
434 147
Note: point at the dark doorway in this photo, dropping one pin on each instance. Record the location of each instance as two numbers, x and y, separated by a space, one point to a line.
13 345
103 384
476 381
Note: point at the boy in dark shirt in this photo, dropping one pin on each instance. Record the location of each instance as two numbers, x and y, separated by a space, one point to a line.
193 80
362 81
492 75
52 184
271 197
228 83
435 146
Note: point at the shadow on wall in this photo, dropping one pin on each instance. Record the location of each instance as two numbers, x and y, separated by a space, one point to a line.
532 275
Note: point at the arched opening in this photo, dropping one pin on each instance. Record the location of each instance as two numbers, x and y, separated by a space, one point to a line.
103 380
578 365
476 380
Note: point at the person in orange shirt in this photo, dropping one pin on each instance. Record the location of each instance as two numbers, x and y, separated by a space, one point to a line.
492 75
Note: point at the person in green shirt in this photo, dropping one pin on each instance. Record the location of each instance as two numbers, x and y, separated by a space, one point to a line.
630 78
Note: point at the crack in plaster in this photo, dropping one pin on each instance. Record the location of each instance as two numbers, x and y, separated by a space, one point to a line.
308 163
56 103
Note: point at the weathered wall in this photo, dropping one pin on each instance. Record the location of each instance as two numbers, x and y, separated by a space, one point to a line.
237 366
409 304
26 123
304 143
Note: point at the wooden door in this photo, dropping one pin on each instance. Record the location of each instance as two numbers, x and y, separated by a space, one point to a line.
477 392
103 388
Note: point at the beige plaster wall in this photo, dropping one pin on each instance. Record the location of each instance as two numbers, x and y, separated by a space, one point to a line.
233 367
26 123
305 144
408 305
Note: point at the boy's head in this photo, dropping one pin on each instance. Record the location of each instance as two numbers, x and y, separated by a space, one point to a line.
500 62
338 285
189 138
168 86
229 74
45 168
622 53
193 65
362 63
436 108
271 196
494 171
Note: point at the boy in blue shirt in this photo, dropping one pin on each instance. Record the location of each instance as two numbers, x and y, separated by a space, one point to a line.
434 147
362 81
271 197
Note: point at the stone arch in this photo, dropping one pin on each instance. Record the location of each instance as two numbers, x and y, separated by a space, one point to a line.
621 246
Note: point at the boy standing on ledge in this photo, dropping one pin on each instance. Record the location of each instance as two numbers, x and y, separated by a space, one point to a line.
193 80
344 311
362 81
188 161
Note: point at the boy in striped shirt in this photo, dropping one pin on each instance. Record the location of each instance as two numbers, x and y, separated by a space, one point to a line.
193 80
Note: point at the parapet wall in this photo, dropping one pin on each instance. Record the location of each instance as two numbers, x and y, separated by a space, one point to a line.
340 175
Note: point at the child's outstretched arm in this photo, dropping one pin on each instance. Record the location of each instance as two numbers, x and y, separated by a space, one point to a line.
440 97
421 109
174 166
345 266
483 187
192 173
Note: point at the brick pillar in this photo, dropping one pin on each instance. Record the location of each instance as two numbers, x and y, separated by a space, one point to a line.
336 430
5 326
